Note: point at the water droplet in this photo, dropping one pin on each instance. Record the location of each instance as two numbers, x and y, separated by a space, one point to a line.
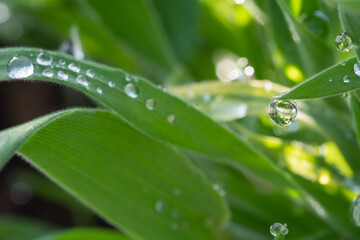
330 79
160 206
131 90
128 78
174 226
73 67
63 75
343 42
48 73
136 80
278 228
82 80
346 79
62 62
20 67
206 97
355 211
317 23
171 118
176 191
44 59
357 69
90 73
219 189
282 112
111 84
150 103
343 63
99 90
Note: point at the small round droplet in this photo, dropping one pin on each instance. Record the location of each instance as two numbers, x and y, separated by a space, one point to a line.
111 84
63 75
73 67
62 62
128 78
171 118
317 23
150 103
160 206
330 80
20 67
82 80
90 73
48 73
219 189
346 79
99 90
44 59
343 42
357 69
278 228
131 90
355 211
343 63
282 112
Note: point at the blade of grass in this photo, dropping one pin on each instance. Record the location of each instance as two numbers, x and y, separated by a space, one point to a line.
86 234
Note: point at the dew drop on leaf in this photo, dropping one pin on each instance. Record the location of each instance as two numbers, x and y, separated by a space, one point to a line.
90 73
73 67
131 90
278 228
111 84
62 62
355 211
20 67
171 118
343 42
282 112
128 78
44 59
99 90
63 75
160 206
219 189
150 103
48 73
346 79
82 80
357 69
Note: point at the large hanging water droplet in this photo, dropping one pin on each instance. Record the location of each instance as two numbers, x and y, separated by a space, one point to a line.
63 75
160 206
44 59
282 112
131 90
317 23
357 69
346 79
73 67
343 42
278 228
48 73
82 80
150 103
171 118
20 67
355 211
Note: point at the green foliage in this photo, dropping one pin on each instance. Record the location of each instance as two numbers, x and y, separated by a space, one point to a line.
205 161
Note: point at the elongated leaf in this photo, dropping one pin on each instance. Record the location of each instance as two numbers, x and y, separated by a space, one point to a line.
141 192
12 139
335 80
86 234
20 228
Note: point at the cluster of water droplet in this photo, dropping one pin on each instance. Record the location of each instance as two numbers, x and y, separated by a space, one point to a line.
278 228
20 67
282 112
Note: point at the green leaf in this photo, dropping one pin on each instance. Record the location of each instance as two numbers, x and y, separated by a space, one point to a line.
86 234
20 228
141 192
327 83
12 139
